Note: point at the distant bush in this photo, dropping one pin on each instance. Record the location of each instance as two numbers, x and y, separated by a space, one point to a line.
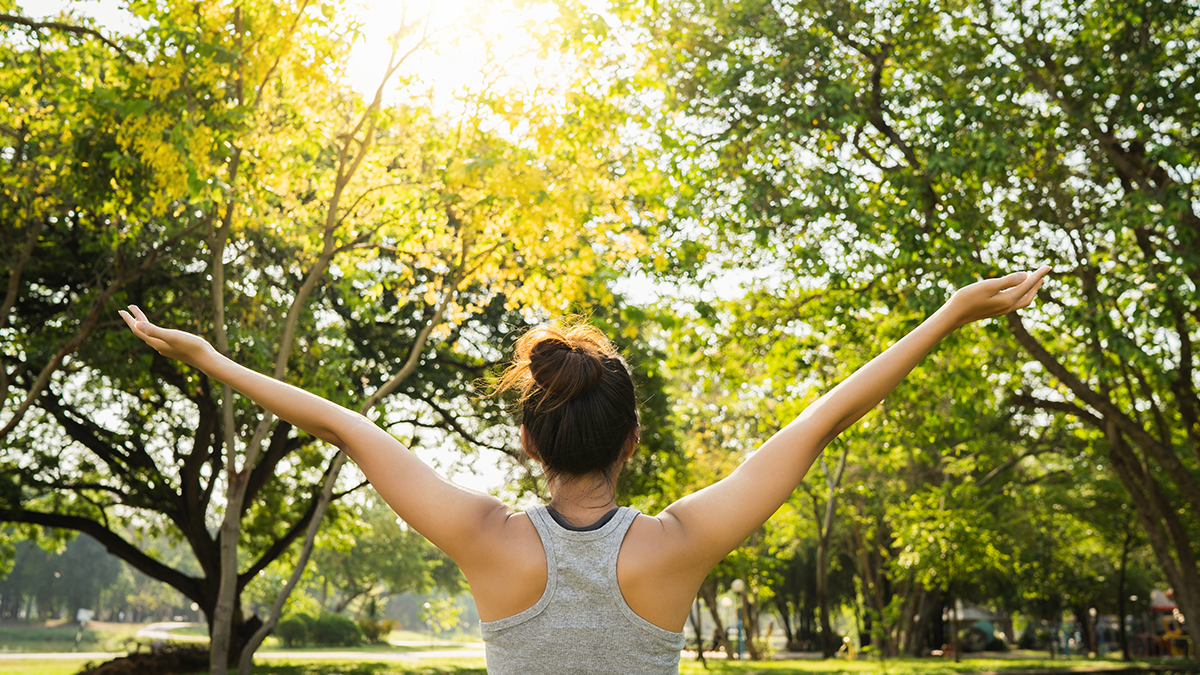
335 630
1033 639
1028 639
293 631
376 630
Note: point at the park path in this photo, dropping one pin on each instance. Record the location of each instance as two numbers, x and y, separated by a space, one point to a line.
162 631
463 653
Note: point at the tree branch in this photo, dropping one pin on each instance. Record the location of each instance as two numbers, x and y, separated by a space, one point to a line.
13 19
1110 412
114 544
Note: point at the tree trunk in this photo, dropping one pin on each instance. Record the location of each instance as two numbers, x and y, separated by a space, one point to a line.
696 616
1124 637
954 628
927 617
783 607
829 645
750 616
1087 629
1157 517
708 591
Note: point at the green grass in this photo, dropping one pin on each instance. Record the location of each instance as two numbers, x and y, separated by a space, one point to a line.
687 667
424 667
906 666
193 631
112 637
35 667
275 647
17 637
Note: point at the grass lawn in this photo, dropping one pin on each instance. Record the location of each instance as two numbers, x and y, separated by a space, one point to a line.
275 647
687 667
424 667
34 667
60 637
715 667
906 666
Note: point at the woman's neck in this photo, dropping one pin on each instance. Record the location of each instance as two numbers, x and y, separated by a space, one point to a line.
582 501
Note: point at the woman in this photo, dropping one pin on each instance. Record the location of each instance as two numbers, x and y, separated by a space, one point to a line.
580 585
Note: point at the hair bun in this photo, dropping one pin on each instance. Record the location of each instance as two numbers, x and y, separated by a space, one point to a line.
565 370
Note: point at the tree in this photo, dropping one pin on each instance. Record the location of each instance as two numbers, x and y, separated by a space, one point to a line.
214 169
57 583
912 147
380 556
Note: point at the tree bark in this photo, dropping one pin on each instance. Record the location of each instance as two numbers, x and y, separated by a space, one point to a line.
1125 655
708 591
697 619
829 645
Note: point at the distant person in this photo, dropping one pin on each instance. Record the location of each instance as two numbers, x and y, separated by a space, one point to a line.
581 585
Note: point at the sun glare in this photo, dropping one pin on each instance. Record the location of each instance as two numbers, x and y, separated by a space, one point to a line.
474 45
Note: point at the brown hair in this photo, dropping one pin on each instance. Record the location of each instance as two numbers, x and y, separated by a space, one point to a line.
577 400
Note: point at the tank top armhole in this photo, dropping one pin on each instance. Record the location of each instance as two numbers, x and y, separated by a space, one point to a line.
538 517
669 637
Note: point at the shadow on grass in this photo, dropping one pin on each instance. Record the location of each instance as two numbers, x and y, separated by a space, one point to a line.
366 668
911 666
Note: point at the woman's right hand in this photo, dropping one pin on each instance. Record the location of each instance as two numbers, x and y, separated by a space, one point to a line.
176 344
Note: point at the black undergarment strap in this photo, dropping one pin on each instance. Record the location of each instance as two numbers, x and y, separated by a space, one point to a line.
586 528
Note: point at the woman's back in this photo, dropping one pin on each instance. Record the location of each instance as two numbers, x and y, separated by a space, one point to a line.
581 623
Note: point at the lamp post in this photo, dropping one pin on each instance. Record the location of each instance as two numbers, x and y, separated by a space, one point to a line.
738 586
727 602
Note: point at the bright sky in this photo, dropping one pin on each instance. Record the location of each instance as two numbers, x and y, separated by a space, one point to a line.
475 43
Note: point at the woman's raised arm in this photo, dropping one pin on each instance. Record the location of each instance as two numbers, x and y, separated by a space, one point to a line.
454 518
710 523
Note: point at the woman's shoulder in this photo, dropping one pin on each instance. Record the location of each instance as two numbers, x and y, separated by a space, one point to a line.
509 573
656 573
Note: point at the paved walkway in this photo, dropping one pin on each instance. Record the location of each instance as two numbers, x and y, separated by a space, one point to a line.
162 631
60 656
464 653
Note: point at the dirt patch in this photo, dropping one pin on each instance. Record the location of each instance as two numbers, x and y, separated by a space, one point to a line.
174 660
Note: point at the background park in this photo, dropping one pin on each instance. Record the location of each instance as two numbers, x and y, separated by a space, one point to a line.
753 197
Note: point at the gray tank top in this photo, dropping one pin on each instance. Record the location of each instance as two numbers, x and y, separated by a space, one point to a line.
582 624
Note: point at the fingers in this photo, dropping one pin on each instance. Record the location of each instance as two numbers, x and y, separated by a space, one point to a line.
1020 284
139 322
141 327
1006 282
1029 288
1029 296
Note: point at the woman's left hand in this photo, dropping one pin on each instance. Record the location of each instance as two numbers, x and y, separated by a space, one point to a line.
995 297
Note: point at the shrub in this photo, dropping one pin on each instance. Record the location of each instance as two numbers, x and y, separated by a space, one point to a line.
376 630
335 630
293 631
